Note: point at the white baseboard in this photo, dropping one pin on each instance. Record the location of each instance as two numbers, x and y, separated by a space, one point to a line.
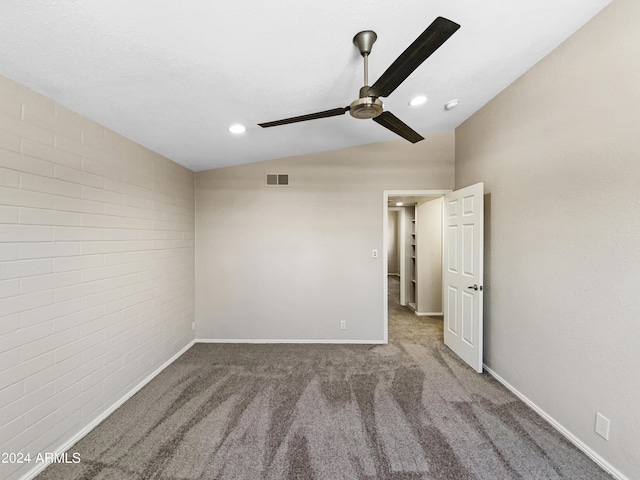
273 340
606 466
78 436
429 314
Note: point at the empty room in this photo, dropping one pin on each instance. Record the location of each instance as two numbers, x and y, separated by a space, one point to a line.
295 240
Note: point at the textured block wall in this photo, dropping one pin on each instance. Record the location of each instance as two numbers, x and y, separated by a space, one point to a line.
96 269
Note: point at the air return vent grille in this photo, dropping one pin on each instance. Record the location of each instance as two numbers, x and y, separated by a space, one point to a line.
277 179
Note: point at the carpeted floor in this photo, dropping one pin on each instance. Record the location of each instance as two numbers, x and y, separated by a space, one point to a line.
406 410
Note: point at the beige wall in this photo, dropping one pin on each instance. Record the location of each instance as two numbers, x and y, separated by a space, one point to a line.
290 263
559 153
429 257
96 270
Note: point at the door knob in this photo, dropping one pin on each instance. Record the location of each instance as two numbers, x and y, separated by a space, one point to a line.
475 287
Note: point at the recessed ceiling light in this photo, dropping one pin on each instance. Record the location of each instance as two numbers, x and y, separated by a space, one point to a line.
418 100
237 128
399 204
451 104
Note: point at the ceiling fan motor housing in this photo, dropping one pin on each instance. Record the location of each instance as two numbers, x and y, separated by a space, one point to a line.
366 107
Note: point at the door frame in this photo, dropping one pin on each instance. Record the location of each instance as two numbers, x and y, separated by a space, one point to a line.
385 225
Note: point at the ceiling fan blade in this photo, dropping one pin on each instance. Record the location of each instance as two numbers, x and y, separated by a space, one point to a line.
302 118
393 123
428 42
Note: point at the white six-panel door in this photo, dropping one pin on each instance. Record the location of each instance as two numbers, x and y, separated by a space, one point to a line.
463 235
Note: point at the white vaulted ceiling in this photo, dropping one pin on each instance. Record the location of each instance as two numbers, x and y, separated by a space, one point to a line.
173 76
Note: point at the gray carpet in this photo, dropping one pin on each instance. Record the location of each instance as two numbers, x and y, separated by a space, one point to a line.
406 410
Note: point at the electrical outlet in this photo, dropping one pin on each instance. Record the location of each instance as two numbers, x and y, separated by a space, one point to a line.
193 325
343 324
374 253
602 426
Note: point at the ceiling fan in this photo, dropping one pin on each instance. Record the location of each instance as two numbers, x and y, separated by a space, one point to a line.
369 105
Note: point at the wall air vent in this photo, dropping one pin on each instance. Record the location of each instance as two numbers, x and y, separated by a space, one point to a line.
277 179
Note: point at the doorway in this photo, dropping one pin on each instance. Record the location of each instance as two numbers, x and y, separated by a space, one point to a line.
417 217
462 266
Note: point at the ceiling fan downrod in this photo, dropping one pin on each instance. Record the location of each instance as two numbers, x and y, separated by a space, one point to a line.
366 69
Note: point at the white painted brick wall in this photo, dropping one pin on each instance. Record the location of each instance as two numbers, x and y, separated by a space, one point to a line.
96 270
